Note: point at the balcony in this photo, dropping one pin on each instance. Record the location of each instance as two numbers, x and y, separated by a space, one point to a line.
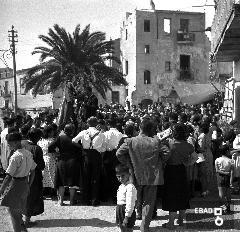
6 94
226 31
185 75
185 37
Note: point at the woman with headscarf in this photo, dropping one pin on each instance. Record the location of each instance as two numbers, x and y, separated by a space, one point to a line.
68 166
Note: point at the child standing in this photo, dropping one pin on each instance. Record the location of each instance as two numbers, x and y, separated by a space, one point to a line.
126 200
224 167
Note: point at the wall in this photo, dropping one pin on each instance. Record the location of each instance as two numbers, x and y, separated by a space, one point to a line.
128 51
108 100
236 70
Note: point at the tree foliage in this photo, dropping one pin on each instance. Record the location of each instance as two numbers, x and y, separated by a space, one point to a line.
79 57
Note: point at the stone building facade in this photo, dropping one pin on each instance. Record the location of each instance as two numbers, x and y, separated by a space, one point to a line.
162 51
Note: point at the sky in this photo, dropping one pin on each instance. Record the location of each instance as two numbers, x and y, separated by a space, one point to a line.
34 17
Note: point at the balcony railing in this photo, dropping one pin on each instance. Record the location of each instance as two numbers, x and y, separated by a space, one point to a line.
185 75
185 37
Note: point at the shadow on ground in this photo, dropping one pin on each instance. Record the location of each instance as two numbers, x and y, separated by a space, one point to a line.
93 222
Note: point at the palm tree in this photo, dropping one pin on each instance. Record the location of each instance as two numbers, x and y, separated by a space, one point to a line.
79 57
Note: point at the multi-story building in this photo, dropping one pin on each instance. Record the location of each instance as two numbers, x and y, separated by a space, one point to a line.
6 92
24 100
226 48
165 54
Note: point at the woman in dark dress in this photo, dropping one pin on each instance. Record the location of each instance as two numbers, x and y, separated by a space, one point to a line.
68 167
176 192
35 204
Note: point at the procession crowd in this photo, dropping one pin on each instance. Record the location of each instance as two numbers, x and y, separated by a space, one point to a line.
172 148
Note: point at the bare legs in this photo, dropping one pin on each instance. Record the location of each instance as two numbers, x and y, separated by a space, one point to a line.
225 196
72 195
61 191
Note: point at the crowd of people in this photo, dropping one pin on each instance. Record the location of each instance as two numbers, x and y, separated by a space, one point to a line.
172 148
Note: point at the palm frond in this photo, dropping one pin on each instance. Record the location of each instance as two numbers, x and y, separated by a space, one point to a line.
79 56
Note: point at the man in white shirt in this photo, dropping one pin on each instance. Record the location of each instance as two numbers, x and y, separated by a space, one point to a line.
93 142
112 138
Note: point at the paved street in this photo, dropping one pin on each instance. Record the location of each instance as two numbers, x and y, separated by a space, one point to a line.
89 219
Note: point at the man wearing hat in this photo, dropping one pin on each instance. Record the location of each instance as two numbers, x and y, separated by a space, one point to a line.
93 142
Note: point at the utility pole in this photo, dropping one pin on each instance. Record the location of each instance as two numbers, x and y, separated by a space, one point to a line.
13 39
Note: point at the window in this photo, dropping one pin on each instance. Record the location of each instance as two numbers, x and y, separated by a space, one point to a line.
126 67
147 49
185 62
185 72
6 87
22 87
146 25
115 96
126 92
147 77
168 66
126 34
167 26
6 104
184 23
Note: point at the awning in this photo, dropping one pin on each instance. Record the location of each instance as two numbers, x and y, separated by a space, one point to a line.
198 99
196 93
